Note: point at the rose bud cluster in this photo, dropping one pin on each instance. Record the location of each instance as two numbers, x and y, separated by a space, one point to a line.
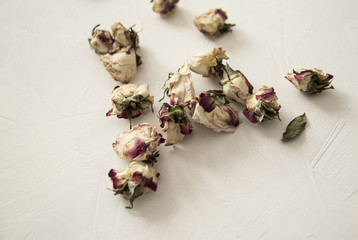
310 81
175 122
134 181
138 144
212 109
164 7
180 87
208 64
262 105
118 50
101 40
235 85
212 23
130 101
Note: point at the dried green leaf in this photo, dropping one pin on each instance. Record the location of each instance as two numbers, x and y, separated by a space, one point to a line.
295 128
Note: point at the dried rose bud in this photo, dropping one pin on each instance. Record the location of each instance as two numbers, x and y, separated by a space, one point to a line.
262 105
101 40
164 6
212 109
121 65
213 23
235 85
133 181
175 122
180 87
208 64
130 101
124 37
138 144
310 81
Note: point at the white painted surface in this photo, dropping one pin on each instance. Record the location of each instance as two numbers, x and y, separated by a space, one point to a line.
55 145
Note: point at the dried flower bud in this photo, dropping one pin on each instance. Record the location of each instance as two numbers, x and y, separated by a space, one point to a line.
212 109
164 6
175 122
180 87
124 37
121 65
101 40
208 64
235 85
130 101
262 105
310 81
213 23
138 144
134 181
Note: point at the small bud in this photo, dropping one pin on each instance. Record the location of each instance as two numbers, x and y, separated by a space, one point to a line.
124 37
212 23
212 109
101 41
208 64
133 181
180 87
138 144
164 7
121 64
130 101
175 122
310 81
235 85
262 106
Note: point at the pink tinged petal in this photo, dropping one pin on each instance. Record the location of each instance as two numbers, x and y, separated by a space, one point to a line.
115 143
329 77
268 95
172 100
109 113
164 111
139 149
221 13
249 114
151 185
299 78
136 114
248 84
184 129
113 175
115 88
157 174
122 115
137 177
161 140
206 102
233 120
102 36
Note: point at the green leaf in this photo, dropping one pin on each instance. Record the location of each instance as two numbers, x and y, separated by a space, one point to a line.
295 128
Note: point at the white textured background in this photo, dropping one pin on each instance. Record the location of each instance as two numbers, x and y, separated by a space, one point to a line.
55 144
